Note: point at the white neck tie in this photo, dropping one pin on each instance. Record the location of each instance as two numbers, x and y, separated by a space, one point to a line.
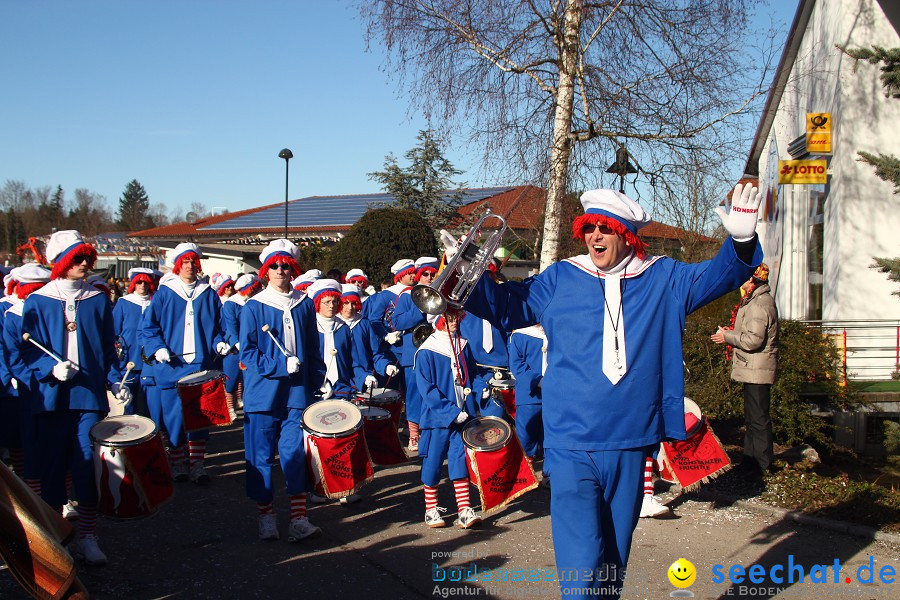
188 348
329 354
614 361
487 336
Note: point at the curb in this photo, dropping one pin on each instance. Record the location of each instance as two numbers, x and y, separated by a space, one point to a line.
799 517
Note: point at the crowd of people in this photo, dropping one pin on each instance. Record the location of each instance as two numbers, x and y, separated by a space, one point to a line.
603 329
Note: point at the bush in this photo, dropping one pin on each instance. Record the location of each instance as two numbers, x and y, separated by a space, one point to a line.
809 378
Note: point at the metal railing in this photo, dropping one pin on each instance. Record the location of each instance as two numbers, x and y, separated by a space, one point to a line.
870 347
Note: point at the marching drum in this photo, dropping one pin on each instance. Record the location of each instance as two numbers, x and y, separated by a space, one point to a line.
203 400
496 461
336 450
503 391
697 459
382 440
386 398
133 475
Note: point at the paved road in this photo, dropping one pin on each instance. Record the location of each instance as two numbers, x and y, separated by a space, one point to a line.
203 544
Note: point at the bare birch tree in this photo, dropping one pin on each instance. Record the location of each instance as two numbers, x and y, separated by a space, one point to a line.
547 90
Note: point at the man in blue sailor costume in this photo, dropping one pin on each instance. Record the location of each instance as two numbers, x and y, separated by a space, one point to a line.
379 308
614 385
244 288
368 358
182 330
128 313
73 320
333 362
277 389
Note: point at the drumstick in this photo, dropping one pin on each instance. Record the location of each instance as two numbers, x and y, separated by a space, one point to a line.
268 330
128 367
27 337
387 383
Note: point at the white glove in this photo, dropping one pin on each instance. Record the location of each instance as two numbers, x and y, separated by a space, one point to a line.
122 393
393 337
64 370
14 383
391 370
327 392
223 348
370 382
740 221
237 346
293 364
450 244
462 416
370 290
162 355
485 394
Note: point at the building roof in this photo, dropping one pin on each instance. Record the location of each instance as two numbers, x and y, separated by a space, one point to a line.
522 207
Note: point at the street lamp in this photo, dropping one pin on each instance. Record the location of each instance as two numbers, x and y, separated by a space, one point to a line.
287 155
621 167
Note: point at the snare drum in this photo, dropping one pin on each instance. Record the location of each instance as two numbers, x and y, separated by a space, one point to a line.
503 391
382 440
697 459
336 450
496 462
133 474
203 400
386 398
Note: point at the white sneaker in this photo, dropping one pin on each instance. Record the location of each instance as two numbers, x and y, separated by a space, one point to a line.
316 499
179 471
300 529
69 512
413 447
268 527
467 518
240 402
351 499
651 507
433 517
199 474
86 549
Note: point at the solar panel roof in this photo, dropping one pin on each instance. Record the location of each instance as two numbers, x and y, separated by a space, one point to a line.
325 211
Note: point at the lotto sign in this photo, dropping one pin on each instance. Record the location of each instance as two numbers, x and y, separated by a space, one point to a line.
802 171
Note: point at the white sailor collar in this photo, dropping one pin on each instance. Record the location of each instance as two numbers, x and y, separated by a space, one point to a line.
272 298
533 331
398 288
142 301
237 299
52 290
176 286
635 266
439 342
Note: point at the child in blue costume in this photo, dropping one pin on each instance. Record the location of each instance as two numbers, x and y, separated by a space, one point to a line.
278 389
614 385
244 288
182 330
72 319
368 357
333 363
128 313
450 382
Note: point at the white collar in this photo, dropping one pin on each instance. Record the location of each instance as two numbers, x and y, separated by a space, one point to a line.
53 290
177 286
276 299
439 342
632 268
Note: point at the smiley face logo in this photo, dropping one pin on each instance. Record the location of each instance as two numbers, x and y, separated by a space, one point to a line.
682 573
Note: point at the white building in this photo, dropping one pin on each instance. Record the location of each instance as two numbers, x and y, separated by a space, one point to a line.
820 239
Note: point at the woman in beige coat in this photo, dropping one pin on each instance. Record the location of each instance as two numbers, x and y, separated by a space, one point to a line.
755 341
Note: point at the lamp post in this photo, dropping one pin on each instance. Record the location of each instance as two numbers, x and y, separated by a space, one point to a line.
287 155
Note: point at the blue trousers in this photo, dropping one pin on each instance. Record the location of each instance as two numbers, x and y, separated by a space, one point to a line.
530 427
437 444
413 397
595 503
263 432
65 444
164 405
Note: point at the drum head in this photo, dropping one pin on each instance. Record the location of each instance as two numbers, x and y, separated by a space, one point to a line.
380 396
507 383
332 418
201 377
486 433
374 413
122 430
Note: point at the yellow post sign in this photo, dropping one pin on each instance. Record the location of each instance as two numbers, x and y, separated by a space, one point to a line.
803 172
818 133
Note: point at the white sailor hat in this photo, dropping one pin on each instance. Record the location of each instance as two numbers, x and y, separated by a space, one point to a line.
30 273
615 205
280 247
135 271
245 281
426 261
183 248
401 266
356 274
62 243
320 286
349 289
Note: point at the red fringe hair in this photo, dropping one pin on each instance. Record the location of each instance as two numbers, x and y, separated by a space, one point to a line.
640 248
137 279
247 291
11 287
192 256
403 273
442 322
424 270
327 294
279 258
23 289
224 287
62 267
357 303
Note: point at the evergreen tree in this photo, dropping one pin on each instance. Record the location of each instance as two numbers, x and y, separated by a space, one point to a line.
133 207
424 185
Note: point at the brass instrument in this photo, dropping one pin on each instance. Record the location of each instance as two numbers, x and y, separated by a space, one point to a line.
421 333
454 284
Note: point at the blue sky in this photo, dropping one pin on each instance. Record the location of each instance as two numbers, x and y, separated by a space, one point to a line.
195 99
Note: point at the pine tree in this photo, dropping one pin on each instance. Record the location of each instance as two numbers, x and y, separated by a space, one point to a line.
133 207
424 185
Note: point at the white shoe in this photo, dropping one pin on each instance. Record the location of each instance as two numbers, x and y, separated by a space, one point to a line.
316 499
86 549
413 447
199 474
467 518
651 507
268 527
240 403
351 499
69 512
300 529
433 517
179 471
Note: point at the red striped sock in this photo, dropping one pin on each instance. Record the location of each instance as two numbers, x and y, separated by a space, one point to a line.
87 520
461 489
17 457
298 505
648 476
413 430
196 451
68 484
431 498
35 485
265 508
176 455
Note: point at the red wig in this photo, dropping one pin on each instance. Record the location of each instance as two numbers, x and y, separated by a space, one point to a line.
404 272
67 261
354 300
250 289
442 322
225 287
359 280
640 248
23 289
139 278
327 294
192 257
424 270
279 257
11 286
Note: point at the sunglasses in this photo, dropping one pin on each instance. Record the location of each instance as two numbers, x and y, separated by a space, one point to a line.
591 228
281 266
80 258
